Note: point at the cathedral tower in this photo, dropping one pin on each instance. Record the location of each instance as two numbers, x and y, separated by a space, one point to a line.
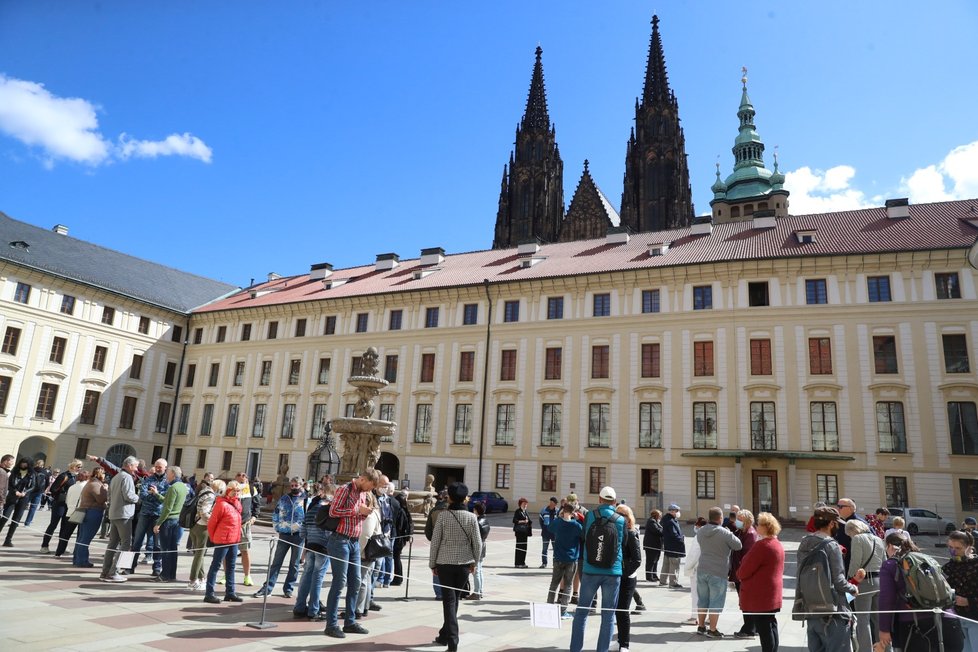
531 199
657 194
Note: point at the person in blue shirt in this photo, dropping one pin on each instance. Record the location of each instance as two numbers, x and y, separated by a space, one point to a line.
547 516
594 577
566 531
287 519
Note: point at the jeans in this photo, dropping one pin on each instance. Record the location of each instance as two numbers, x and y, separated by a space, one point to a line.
198 543
545 541
829 634
58 511
344 554
452 579
478 581
120 539
287 544
34 504
86 532
13 512
766 626
970 632
366 593
222 552
311 583
170 535
563 572
385 571
622 618
609 585
144 530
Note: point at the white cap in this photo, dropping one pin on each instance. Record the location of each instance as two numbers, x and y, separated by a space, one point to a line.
608 493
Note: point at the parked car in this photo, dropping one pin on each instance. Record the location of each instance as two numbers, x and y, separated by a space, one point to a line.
492 500
920 520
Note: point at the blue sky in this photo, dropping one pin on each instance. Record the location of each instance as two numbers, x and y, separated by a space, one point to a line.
232 139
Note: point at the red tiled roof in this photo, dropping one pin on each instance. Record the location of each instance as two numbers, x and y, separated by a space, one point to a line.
942 225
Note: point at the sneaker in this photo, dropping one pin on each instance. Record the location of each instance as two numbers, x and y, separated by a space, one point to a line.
212 599
334 631
740 634
714 634
374 606
701 630
112 578
145 560
318 618
690 621
7 544
640 607
233 597
287 594
622 649
676 585
194 586
355 628
222 580
543 565
247 581
567 615
45 550
260 593
574 599
160 579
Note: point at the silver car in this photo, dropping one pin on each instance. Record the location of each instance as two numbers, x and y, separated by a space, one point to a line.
920 520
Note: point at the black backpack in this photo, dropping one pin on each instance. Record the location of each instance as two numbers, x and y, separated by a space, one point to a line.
325 520
601 541
188 513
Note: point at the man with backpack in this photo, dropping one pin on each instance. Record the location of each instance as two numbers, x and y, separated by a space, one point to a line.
822 586
604 538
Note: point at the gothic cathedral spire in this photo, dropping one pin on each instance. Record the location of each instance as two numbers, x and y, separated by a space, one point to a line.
657 194
531 199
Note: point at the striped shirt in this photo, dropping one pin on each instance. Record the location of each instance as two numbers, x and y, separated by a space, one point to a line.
346 505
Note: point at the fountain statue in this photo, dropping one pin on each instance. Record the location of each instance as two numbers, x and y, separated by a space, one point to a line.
361 434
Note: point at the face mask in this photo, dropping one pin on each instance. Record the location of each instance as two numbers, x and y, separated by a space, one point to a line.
954 557
296 492
739 524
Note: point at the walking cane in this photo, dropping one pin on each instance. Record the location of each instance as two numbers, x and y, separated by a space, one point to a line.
263 624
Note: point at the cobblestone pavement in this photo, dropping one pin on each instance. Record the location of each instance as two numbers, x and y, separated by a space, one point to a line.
46 604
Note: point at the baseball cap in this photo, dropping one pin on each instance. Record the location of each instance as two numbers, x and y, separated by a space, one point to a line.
829 514
608 493
673 508
970 521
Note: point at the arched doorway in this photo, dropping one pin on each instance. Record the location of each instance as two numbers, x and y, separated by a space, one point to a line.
35 448
119 452
389 465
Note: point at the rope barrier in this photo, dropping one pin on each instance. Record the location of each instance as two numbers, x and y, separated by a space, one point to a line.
361 564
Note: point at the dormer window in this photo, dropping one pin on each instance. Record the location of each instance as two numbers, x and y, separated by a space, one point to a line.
805 236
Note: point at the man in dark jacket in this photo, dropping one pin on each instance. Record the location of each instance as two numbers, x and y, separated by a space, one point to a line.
652 542
429 527
547 516
20 484
847 510
403 530
675 547
42 478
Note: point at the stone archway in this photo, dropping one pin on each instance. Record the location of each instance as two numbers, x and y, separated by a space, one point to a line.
35 448
119 452
389 465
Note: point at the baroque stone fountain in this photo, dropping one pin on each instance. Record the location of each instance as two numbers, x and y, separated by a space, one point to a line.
361 434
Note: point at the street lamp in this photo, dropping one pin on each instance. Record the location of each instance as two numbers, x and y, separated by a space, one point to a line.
325 460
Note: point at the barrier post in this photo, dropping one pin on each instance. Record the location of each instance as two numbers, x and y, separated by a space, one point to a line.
407 573
263 624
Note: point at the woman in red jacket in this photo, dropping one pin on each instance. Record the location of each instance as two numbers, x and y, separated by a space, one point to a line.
761 576
224 531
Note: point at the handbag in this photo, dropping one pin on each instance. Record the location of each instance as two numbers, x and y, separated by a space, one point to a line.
379 545
77 516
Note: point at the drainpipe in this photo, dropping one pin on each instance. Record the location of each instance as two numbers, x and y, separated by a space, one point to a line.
176 388
485 384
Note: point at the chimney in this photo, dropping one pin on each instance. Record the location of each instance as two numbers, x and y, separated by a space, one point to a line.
272 276
528 247
432 256
764 219
386 262
897 209
702 225
60 229
617 235
320 271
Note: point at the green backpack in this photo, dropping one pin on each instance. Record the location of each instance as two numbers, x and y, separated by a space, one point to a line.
926 587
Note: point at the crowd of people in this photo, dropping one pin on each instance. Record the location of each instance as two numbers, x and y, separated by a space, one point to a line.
859 584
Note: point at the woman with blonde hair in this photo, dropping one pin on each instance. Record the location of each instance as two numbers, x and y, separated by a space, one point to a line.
744 523
224 531
631 561
371 526
761 577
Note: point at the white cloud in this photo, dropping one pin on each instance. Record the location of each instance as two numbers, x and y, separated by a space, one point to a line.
66 128
955 177
173 145
817 191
